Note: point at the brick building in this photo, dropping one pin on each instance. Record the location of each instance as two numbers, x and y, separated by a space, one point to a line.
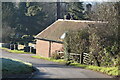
49 40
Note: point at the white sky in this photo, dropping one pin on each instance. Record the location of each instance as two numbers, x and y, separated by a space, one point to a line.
60 0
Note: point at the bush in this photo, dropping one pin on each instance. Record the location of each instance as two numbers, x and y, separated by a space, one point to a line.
56 56
76 42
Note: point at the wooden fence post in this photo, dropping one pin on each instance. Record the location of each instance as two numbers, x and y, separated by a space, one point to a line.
81 58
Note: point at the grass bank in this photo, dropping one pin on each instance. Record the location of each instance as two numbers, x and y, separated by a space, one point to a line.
112 71
16 51
62 61
14 66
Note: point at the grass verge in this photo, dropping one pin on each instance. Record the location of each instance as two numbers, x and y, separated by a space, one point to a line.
14 66
16 51
112 71
62 61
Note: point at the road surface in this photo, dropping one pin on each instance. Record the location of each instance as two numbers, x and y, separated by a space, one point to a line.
48 69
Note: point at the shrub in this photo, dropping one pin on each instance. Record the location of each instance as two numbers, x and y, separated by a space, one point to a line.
56 56
95 40
76 42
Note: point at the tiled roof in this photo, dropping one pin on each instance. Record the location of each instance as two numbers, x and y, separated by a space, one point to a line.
59 27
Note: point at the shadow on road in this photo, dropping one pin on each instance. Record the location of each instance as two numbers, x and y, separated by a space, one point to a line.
55 66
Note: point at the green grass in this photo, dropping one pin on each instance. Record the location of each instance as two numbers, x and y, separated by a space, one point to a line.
78 65
113 71
14 66
16 51
62 61
107 70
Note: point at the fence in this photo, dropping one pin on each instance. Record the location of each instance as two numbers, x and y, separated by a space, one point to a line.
77 57
6 45
86 58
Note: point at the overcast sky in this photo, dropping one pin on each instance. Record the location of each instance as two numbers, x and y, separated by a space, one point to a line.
60 0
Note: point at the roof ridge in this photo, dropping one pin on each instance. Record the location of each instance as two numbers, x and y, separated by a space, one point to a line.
81 21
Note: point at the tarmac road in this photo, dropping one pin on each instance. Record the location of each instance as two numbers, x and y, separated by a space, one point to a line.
48 69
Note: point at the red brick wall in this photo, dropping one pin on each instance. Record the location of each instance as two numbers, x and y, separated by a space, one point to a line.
42 48
55 46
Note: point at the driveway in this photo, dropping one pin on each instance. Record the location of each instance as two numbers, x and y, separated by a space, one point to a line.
48 69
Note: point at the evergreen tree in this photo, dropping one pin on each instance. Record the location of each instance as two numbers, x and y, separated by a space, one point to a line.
8 13
76 10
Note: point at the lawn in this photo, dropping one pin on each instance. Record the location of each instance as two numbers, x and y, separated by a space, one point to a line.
14 66
16 51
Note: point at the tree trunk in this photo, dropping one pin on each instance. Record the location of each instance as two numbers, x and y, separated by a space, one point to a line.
97 62
58 9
